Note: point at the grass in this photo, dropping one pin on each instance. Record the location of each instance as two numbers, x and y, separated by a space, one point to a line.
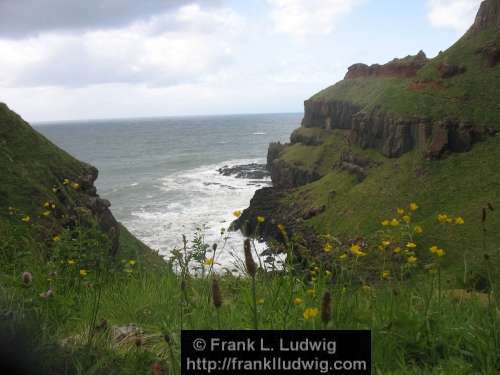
471 96
418 325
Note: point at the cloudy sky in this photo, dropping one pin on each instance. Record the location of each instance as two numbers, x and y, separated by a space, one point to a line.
72 59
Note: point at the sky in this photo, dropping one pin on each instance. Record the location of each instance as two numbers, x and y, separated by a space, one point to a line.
72 59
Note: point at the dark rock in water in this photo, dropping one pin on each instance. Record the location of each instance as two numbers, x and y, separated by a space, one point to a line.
253 171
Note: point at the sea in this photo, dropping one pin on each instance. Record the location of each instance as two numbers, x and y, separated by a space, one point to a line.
161 174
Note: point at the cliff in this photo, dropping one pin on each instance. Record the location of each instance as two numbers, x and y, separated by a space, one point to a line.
414 129
45 191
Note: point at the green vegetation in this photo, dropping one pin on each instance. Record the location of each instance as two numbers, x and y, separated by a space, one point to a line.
471 96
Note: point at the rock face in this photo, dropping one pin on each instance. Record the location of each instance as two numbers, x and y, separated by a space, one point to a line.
407 67
487 16
273 152
329 114
287 176
253 171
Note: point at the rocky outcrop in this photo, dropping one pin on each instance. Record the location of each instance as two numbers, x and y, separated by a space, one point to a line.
407 67
446 70
487 16
273 152
491 53
287 176
329 114
306 138
253 171
355 165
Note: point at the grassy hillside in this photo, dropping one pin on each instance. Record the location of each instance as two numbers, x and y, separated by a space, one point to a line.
470 96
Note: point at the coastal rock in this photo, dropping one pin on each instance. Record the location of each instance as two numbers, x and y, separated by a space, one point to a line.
287 176
407 67
273 152
329 114
487 16
251 171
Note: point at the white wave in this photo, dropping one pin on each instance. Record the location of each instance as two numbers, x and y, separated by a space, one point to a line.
192 199
259 133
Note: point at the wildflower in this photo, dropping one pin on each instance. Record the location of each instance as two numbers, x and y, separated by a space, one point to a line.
397 250
45 213
418 229
46 205
412 259
281 227
356 250
83 273
26 219
442 218
54 189
298 301
343 257
75 185
328 273
386 243
434 249
394 222
132 262
440 253
385 275
237 213
400 211
27 278
326 308
311 292
56 238
328 248
310 313
260 301
406 218
71 262
52 206
261 219
209 262
385 223
411 245
65 181
127 270
249 262
47 294
459 220
413 206
216 294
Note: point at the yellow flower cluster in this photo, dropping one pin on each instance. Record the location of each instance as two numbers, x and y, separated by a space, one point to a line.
356 250
310 313
437 251
448 219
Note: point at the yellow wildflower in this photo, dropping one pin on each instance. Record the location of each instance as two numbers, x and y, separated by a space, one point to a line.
328 248
83 273
412 259
411 245
310 313
328 273
434 249
343 257
394 222
26 219
56 238
397 250
209 262
385 275
418 229
132 262
52 206
442 218
440 253
385 223
46 205
459 220
356 250
261 219
298 301
260 301
45 213
386 243
71 262
65 181
75 185
413 206
406 218
400 211
237 213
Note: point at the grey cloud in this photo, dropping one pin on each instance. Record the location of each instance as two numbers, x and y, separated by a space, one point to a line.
23 18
